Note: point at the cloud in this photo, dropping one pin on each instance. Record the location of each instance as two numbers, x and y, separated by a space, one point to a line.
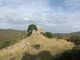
59 17
73 5
29 10
73 2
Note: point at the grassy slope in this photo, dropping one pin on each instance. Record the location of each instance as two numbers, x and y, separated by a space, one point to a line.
68 34
9 36
16 51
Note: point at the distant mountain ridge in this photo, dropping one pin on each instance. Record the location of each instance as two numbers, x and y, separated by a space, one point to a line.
10 37
6 34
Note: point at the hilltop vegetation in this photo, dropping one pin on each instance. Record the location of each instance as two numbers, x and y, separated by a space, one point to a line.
31 28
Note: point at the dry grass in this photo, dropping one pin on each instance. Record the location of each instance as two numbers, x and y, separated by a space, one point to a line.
54 46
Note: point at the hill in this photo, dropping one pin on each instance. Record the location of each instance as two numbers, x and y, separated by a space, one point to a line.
10 36
75 33
68 34
33 45
73 37
6 34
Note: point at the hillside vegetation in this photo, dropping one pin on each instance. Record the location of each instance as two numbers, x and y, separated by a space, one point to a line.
73 37
10 36
33 45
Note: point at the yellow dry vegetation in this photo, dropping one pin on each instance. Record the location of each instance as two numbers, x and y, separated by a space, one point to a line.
54 46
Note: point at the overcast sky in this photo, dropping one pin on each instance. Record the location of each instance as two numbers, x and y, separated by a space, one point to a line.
52 15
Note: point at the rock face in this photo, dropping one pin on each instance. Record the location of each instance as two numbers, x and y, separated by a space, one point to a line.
36 40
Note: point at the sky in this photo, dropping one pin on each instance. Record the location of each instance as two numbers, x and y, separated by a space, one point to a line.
57 16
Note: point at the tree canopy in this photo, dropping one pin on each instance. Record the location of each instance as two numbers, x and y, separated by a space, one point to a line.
31 28
48 34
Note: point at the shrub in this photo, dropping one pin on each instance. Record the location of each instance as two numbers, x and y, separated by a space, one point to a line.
37 46
28 56
73 54
31 28
4 44
43 55
75 39
48 35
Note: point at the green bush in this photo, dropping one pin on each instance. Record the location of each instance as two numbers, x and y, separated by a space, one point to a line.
31 28
4 44
48 34
37 46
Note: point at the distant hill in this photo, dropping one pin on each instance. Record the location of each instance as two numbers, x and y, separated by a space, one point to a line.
75 33
10 36
67 34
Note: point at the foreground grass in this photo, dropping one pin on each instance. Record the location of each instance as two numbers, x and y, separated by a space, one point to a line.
73 54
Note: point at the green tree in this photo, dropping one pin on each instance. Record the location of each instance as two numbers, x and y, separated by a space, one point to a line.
31 28
48 34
